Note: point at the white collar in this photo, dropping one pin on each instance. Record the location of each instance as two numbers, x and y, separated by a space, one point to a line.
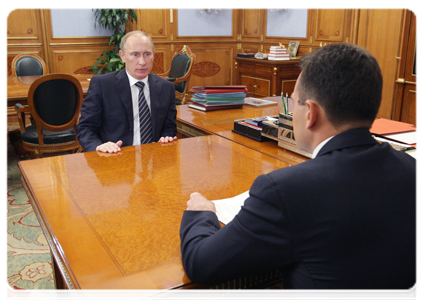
133 80
320 146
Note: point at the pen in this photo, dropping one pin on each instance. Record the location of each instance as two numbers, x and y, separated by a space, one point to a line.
287 106
283 102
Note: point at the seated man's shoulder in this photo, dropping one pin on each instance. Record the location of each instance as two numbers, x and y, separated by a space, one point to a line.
107 76
161 80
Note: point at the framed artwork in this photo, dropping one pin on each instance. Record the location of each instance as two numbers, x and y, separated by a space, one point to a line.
293 48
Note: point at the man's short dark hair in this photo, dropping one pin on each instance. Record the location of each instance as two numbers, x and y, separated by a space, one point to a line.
345 80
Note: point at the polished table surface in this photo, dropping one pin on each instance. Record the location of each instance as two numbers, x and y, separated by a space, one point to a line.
112 220
193 122
18 86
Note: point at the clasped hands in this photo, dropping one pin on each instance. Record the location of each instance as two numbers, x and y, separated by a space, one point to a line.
111 147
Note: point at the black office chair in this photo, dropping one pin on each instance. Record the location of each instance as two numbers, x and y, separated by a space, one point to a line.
54 102
28 65
180 72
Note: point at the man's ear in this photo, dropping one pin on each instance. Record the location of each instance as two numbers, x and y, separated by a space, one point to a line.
313 113
121 55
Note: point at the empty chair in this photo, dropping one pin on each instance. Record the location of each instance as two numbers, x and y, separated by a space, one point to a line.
28 65
54 102
180 72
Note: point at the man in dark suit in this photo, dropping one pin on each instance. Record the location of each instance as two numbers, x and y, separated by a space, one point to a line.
111 115
345 219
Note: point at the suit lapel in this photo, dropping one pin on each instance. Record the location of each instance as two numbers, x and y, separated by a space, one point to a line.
124 92
155 93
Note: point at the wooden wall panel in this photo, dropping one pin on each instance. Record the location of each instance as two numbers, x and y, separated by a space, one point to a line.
162 58
408 113
404 104
251 24
22 24
155 22
330 25
379 33
213 65
24 35
251 48
74 60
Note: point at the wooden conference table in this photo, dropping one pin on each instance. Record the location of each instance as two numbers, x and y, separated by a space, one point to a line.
112 220
18 87
192 122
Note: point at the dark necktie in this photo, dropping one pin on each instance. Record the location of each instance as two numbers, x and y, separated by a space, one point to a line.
146 128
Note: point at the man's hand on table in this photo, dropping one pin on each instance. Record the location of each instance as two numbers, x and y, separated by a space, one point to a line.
199 202
110 147
167 139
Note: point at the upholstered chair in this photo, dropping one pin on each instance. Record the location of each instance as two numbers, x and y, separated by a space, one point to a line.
54 102
180 72
28 65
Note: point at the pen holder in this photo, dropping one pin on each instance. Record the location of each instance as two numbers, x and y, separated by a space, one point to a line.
286 138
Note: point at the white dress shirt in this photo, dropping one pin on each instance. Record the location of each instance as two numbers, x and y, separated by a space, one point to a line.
320 146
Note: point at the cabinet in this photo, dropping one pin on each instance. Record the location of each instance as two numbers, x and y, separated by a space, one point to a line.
265 78
331 25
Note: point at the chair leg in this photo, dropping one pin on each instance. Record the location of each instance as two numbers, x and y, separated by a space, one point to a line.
38 153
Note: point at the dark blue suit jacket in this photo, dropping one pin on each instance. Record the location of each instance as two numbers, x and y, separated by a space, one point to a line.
344 220
107 114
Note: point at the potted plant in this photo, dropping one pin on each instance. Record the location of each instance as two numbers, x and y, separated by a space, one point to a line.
116 20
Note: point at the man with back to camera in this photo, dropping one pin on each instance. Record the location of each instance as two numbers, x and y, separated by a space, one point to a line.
111 115
345 219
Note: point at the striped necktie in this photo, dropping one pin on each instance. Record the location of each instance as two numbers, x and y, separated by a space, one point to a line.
146 127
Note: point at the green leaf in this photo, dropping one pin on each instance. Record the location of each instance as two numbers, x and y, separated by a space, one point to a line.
116 20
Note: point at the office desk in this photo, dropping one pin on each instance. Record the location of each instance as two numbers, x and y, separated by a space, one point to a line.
191 122
112 220
18 87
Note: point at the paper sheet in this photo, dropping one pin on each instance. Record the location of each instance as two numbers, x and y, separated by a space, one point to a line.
227 209
406 137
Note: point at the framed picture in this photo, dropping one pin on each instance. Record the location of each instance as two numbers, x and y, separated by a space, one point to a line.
293 48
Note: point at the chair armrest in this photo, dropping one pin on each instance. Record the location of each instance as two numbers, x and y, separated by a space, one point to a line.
165 74
183 78
21 110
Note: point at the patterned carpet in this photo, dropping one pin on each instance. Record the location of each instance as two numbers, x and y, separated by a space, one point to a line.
29 262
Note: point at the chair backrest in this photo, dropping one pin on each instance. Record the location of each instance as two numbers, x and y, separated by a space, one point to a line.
28 65
55 101
180 66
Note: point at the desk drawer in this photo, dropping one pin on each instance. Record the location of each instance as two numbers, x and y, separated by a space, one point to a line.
257 86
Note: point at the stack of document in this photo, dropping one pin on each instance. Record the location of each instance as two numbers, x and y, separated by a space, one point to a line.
218 97
401 136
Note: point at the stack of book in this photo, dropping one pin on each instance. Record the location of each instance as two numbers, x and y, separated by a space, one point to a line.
217 97
278 53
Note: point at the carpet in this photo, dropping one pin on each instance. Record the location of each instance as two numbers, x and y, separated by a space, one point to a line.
29 262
